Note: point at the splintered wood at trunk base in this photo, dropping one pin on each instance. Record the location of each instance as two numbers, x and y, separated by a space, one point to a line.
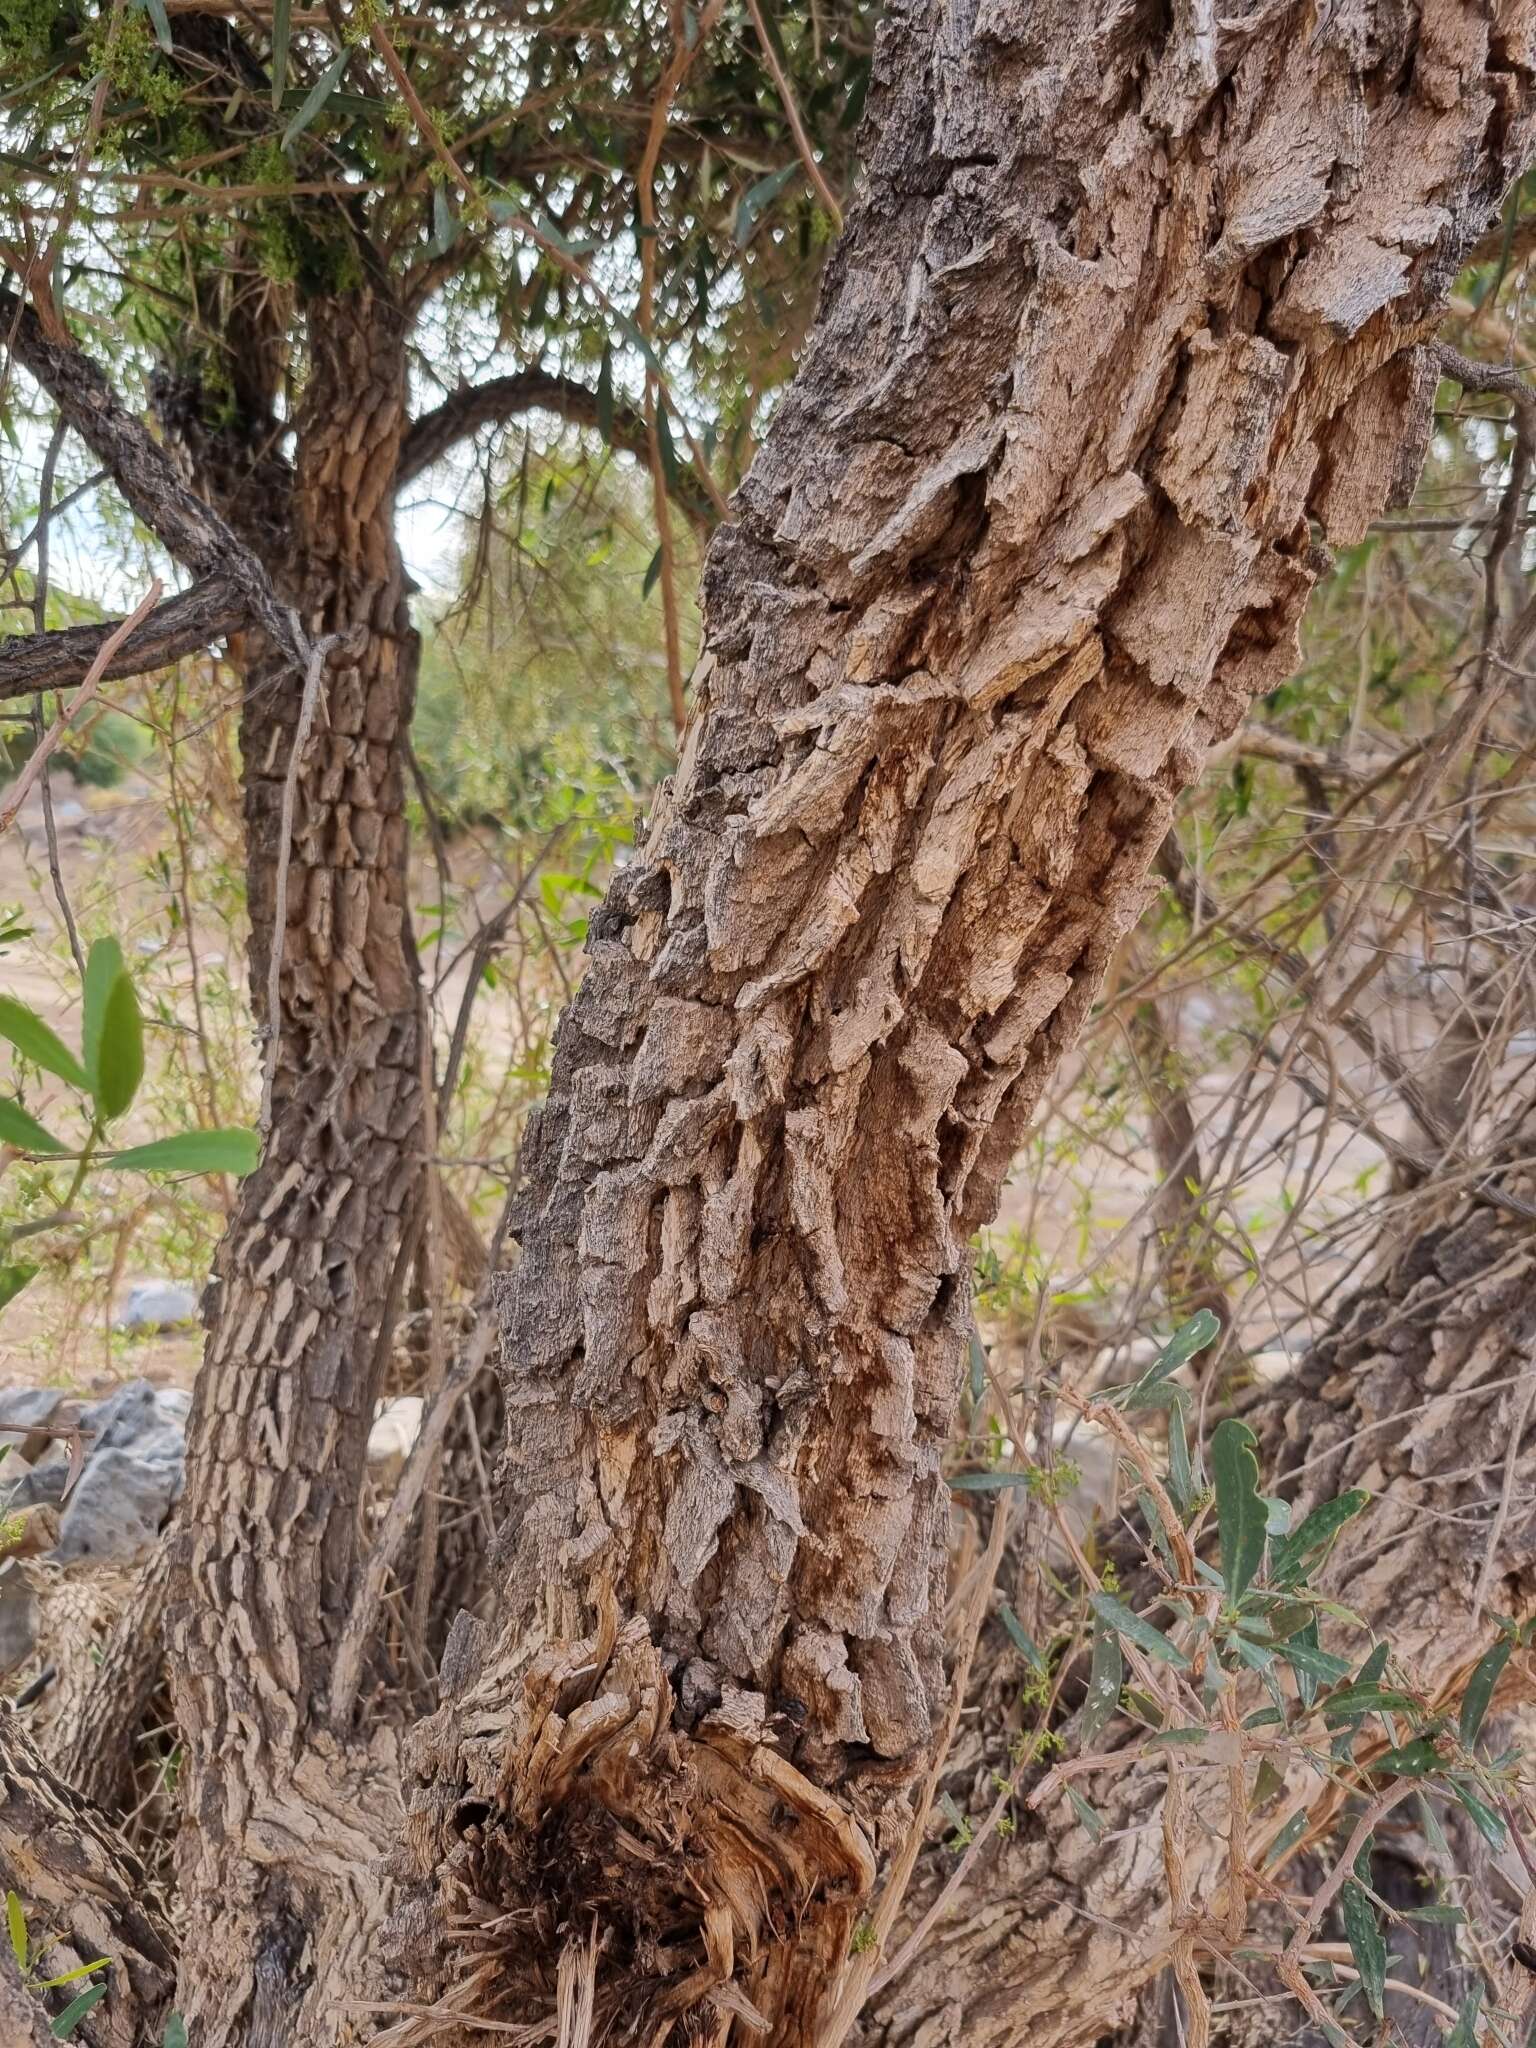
1118 315
285 1813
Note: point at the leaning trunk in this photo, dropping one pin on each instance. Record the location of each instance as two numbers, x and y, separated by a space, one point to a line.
1118 314
283 1809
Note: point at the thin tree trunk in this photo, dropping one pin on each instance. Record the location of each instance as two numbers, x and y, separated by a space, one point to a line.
1418 1392
283 1811
1119 311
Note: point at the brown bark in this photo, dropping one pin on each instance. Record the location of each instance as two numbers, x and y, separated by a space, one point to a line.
1120 309
93 1735
80 1884
1419 1392
284 1810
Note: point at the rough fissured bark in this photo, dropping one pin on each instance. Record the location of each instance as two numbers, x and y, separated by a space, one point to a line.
284 1812
1419 1392
1121 312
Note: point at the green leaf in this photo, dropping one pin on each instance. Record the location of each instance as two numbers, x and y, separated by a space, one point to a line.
605 395
1240 1511
1288 1837
653 570
1478 1697
1178 1738
155 9
175 2035
1414 1759
316 98
120 1055
989 1482
1106 1675
1181 1478
224 1151
978 1359
1365 1943
25 1132
1464 2033
1367 1699
16 1921
1316 1531
36 1042
80 1970
1320 1667
1022 1641
1135 1630
282 11
1092 1821
1489 1826
102 968
13 1277
669 465
1187 1339
757 196
1437 1916
76 2011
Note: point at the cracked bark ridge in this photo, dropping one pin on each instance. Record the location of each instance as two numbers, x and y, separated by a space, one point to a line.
80 1883
1119 314
286 1814
1419 1392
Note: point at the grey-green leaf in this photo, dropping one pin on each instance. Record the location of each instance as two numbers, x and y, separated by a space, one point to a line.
316 98
1478 1696
1318 1529
37 1042
281 18
1106 1675
73 2013
1365 1943
1125 1623
1187 1339
1022 1640
1241 1515
223 1151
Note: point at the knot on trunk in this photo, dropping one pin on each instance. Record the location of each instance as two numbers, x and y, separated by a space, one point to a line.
581 1859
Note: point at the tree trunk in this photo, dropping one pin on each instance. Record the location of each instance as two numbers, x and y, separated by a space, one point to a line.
1419 1392
1120 310
284 1810
84 1891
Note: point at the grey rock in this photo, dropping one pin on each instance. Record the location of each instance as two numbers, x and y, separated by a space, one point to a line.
121 1504
29 1409
158 1305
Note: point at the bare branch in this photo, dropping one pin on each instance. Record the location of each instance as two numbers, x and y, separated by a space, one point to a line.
184 624
466 411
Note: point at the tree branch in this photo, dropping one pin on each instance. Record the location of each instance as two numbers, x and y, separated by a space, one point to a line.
190 530
183 624
466 411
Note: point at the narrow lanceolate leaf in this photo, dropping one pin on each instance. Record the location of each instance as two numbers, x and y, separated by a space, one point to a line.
1087 1817
1240 1511
1313 1667
1367 1699
1365 1943
80 1970
1131 1626
1105 1677
160 20
1464 2033
16 1922
990 1482
648 582
64 2026
103 966
1288 1837
978 1358
1181 1478
605 395
1478 1696
316 98
120 1056
226 1151
35 1041
1488 1823
1414 1759
1292 1555
1022 1640
25 1132
281 18
1190 1337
